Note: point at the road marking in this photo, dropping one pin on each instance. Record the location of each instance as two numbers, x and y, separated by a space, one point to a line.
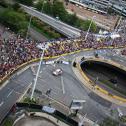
62 83
1 103
15 91
9 93
20 82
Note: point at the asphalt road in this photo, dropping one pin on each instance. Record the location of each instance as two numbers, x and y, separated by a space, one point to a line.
73 90
105 73
61 27
13 91
65 88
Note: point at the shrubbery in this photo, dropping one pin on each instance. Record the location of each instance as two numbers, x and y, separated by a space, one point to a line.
46 29
15 20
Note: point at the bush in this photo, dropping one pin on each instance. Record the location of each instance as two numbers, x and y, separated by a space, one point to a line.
44 29
28 100
8 122
15 20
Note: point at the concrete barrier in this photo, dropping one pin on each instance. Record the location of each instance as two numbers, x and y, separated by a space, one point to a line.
101 90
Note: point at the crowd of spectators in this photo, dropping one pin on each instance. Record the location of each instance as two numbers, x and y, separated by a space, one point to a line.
16 50
123 52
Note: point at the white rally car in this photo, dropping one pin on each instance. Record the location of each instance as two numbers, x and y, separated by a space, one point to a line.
57 72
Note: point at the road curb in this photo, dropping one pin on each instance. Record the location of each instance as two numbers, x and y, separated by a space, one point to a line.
97 89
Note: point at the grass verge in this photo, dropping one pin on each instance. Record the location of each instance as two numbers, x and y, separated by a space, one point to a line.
8 122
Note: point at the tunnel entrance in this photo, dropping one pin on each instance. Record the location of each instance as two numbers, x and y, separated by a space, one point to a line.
110 77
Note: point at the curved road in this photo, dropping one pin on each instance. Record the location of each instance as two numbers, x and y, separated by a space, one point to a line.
65 88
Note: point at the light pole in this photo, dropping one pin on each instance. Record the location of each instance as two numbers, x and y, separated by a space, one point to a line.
89 27
38 71
43 5
29 24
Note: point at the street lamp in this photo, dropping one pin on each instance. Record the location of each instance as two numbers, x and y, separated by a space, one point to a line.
43 5
89 27
43 47
29 24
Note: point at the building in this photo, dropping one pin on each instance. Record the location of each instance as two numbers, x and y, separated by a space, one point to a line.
102 6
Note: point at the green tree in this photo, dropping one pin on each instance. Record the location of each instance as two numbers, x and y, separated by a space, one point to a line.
71 19
85 25
59 10
26 2
48 8
16 6
15 20
38 5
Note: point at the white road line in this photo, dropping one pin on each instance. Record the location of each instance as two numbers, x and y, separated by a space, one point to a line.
10 93
1 103
62 83
15 91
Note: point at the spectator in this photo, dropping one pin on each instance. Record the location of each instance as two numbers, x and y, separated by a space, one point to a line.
16 50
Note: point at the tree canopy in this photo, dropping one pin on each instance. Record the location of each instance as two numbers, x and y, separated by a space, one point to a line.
57 9
14 20
26 2
86 25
